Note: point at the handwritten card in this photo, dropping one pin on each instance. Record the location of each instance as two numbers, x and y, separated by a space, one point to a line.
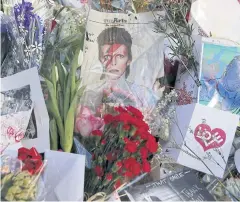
18 97
201 138
13 127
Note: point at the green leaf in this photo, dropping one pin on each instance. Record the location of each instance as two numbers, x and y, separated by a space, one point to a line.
54 109
53 135
69 124
67 97
60 100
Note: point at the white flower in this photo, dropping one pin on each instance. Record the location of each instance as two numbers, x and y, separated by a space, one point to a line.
21 40
20 18
37 47
21 27
28 50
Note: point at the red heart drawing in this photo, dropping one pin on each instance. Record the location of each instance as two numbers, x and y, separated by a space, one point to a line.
208 138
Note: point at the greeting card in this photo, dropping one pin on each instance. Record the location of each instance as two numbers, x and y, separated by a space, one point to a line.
201 138
13 128
218 74
20 93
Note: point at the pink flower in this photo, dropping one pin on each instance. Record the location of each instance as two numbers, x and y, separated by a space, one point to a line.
86 122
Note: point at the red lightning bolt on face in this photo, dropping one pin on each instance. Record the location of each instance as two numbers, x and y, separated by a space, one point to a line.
111 51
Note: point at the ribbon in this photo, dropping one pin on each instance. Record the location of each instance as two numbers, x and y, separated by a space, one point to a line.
31 158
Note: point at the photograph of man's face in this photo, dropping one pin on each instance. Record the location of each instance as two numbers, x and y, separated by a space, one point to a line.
115 52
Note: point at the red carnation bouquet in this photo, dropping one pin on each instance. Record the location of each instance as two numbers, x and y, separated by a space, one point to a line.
120 152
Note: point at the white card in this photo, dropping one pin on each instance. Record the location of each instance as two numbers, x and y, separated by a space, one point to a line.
221 18
203 133
64 176
40 119
13 127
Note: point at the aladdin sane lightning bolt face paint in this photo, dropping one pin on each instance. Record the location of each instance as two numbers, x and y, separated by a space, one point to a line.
115 60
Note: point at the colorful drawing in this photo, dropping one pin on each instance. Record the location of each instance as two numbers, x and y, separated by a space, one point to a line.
220 77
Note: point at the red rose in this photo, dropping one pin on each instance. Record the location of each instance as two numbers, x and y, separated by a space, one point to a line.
108 118
135 112
99 171
97 133
151 144
117 184
33 166
23 153
146 166
144 152
103 142
126 127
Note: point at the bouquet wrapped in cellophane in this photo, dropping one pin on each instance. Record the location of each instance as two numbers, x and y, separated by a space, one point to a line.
25 25
21 176
121 150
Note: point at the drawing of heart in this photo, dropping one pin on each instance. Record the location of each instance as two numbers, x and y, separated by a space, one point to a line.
208 138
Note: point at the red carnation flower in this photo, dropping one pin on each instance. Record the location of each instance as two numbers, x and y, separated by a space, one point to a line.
117 184
109 176
119 164
128 174
99 171
120 109
135 112
133 166
111 156
103 142
151 144
131 147
144 152
146 166
126 127
97 133
126 140
120 171
108 118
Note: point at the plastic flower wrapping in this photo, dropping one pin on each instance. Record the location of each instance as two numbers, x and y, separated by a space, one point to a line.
120 100
21 176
